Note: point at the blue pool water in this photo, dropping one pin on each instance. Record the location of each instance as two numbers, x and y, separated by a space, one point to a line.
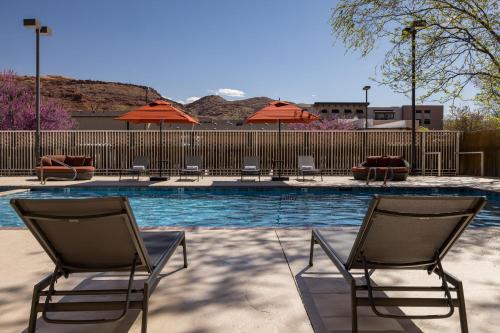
247 207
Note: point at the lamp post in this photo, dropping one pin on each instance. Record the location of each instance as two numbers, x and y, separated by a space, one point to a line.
366 88
411 30
44 31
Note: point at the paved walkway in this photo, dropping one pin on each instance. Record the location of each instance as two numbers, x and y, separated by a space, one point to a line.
254 281
492 184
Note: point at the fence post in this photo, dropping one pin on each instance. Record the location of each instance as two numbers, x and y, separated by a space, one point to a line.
423 150
457 155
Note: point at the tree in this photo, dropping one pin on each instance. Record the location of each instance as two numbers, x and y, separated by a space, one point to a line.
459 46
17 108
326 125
463 118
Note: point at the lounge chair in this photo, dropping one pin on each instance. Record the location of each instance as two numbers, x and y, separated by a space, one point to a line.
94 235
404 233
382 168
307 167
65 167
139 165
250 167
192 167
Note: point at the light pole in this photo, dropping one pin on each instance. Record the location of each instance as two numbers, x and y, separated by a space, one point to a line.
366 88
45 31
411 30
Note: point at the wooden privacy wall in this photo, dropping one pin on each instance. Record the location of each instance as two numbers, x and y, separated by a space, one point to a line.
335 151
487 142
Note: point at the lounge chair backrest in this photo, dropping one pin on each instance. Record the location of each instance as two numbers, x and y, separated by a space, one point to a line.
193 160
91 234
141 161
251 161
306 161
410 232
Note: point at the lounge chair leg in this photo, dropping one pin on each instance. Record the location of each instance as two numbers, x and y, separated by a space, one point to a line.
184 252
354 309
461 309
311 253
33 313
145 300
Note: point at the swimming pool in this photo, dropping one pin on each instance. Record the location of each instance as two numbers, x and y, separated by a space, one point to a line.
247 207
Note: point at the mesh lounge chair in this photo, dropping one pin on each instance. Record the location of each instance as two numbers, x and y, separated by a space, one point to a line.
307 167
94 235
139 165
251 167
403 232
192 167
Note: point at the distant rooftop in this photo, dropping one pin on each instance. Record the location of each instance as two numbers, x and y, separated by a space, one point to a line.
341 103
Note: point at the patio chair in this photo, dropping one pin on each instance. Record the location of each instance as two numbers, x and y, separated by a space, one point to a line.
139 165
250 167
95 235
192 167
307 167
405 233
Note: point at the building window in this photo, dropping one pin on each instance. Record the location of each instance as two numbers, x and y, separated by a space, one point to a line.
427 121
427 111
335 111
359 111
418 111
324 111
347 111
384 115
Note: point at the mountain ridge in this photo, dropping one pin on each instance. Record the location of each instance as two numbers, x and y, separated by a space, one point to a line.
104 96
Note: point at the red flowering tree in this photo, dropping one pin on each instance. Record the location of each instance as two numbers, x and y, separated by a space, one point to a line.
326 125
17 108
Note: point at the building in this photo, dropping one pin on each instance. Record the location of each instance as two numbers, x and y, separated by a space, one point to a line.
332 110
396 117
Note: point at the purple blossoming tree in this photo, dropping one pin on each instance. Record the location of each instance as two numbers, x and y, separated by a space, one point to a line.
326 125
17 108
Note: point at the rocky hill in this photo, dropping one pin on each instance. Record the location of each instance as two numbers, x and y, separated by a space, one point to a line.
91 95
216 107
101 96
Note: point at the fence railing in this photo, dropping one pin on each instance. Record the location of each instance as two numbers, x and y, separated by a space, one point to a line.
335 151
487 142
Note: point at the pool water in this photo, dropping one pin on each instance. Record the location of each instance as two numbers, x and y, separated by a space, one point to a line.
247 207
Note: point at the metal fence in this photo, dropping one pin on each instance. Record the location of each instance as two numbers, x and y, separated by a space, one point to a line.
335 151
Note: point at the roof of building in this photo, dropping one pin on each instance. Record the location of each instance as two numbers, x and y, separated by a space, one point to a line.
342 103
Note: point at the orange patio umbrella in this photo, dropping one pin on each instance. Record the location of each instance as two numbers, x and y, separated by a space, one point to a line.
158 112
281 112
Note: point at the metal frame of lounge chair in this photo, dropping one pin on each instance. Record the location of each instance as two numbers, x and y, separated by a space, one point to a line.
250 160
138 161
357 260
308 160
41 220
192 160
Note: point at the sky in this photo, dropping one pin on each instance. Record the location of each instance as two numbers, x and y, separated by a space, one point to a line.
190 48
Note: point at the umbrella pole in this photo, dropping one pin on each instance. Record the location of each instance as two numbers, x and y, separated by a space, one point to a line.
160 176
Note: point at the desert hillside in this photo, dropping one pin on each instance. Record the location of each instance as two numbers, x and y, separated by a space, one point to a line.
101 96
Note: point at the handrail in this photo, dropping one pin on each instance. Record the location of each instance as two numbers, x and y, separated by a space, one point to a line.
44 180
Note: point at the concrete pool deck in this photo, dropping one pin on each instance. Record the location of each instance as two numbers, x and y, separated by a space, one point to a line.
248 280
481 183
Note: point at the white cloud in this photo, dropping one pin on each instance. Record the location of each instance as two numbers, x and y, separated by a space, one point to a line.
191 99
228 92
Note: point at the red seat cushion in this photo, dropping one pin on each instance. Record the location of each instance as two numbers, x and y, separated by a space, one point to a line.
46 161
383 161
371 161
396 161
75 160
